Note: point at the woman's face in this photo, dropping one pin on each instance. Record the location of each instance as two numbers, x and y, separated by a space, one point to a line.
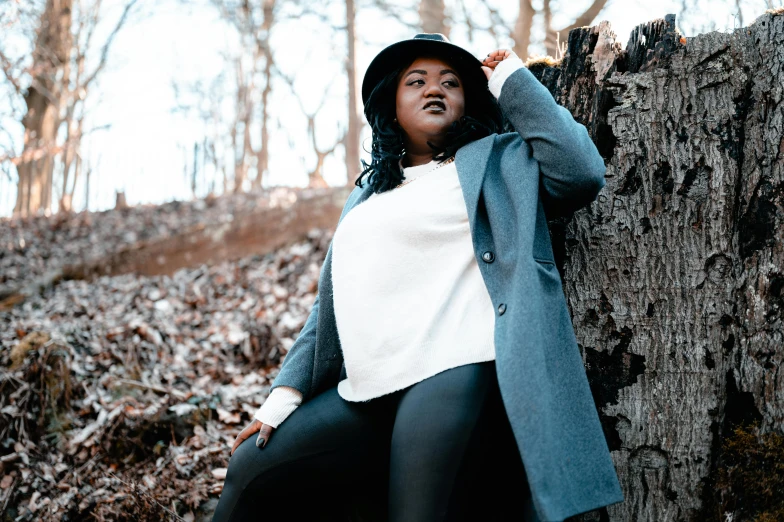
429 98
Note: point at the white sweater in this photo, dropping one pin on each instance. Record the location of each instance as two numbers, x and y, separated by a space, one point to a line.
408 295
409 298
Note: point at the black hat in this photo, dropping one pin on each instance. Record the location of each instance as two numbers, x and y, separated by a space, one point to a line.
467 65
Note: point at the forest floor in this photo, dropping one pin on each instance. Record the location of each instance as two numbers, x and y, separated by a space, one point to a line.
120 396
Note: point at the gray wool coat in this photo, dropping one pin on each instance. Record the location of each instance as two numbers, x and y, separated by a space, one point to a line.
510 181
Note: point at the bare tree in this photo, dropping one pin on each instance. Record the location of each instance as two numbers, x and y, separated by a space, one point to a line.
520 31
240 132
315 175
55 99
354 121
262 156
522 28
204 100
552 35
253 68
673 276
399 13
254 24
44 100
86 22
432 15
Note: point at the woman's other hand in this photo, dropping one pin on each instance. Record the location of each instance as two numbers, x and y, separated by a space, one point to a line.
265 432
494 58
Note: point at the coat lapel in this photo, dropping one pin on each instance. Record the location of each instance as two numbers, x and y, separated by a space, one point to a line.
471 163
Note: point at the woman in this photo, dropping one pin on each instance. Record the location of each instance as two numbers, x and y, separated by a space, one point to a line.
439 351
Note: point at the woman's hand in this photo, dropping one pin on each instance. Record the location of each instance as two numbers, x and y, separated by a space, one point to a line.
265 432
494 58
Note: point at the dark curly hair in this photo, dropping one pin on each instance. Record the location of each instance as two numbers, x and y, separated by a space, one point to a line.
482 117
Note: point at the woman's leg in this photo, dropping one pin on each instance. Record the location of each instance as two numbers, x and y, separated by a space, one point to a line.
453 455
315 459
493 482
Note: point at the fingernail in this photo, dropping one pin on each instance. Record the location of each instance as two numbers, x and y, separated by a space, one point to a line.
259 443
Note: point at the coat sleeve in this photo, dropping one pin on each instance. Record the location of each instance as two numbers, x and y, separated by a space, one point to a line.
571 168
297 368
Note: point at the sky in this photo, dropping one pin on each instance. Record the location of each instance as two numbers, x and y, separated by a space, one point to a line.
147 145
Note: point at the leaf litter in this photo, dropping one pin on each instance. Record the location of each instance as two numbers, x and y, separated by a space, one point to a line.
120 397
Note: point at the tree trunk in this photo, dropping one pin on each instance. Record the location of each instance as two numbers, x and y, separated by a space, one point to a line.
71 152
262 158
66 201
354 121
87 176
120 201
239 144
432 16
50 60
675 276
195 170
522 29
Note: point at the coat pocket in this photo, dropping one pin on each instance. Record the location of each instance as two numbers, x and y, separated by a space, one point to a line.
544 261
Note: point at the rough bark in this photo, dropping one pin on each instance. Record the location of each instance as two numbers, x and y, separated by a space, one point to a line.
43 99
675 276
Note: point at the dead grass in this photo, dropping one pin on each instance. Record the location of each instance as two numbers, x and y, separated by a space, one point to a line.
751 479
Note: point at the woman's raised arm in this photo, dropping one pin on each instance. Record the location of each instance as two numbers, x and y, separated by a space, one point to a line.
572 170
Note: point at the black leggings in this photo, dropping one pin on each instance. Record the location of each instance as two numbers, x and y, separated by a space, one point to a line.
439 450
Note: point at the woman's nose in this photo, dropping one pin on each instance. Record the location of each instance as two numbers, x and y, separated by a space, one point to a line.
433 89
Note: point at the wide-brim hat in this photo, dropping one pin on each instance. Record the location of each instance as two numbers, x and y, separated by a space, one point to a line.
467 65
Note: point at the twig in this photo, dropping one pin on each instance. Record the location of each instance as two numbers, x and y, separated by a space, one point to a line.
136 489
76 471
8 497
153 387
9 457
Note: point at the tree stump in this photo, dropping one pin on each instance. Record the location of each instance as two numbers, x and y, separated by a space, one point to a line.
675 275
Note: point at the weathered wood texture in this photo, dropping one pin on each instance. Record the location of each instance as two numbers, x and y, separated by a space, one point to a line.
675 275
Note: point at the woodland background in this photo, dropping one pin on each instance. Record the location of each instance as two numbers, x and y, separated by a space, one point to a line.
136 341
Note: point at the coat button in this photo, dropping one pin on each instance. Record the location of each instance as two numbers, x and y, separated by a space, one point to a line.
501 309
488 257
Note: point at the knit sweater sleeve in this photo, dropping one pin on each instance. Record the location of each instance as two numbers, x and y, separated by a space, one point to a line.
502 71
281 403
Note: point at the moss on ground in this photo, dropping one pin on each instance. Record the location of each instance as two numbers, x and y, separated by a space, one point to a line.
750 478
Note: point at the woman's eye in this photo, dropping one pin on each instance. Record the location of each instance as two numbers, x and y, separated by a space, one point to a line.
453 83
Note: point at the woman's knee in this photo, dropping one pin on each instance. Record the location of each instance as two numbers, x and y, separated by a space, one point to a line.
246 464
246 467
322 442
